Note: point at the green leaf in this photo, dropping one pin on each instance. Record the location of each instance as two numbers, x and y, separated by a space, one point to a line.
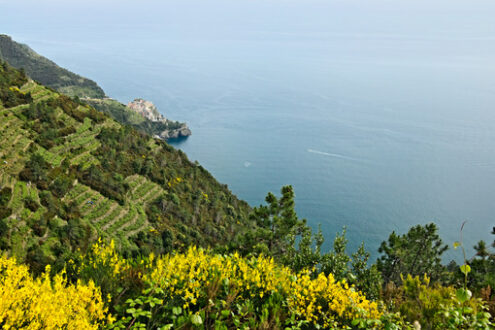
177 310
463 295
196 319
465 269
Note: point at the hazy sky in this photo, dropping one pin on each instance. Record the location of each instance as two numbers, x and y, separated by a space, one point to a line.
243 18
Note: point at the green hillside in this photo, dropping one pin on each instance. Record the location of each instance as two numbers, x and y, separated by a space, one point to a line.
69 173
48 73
121 113
45 71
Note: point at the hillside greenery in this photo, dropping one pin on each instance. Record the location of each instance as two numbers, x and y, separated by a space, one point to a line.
106 227
49 74
121 113
70 174
45 71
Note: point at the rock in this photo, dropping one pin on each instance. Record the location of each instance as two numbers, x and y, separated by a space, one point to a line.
183 131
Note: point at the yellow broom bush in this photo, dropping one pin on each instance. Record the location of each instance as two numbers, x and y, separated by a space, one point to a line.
47 303
195 275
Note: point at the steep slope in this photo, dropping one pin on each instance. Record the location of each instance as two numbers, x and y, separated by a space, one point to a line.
124 115
45 71
69 173
50 74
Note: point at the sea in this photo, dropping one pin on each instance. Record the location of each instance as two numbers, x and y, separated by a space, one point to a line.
380 114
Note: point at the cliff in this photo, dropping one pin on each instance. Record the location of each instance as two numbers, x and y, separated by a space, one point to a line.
149 111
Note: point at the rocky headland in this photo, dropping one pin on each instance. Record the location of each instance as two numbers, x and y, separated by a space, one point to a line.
148 110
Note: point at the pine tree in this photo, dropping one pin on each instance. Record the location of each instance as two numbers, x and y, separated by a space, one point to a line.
277 224
418 252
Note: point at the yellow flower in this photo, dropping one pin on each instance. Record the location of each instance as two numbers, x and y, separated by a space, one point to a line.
193 274
47 303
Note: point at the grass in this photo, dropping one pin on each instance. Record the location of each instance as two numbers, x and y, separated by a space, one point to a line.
113 215
17 202
138 225
51 157
76 191
37 215
86 125
142 190
99 209
83 198
134 180
94 197
127 218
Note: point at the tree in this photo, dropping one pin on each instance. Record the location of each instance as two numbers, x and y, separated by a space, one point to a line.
483 267
353 269
417 253
35 170
281 234
277 225
61 185
337 261
481 250
366 279
306 254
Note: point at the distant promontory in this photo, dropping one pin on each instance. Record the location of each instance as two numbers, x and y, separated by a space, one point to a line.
149 111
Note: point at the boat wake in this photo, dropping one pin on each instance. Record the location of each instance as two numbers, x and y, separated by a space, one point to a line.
332 155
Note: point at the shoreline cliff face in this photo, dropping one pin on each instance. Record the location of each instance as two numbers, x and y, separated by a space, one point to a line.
183 131
148 110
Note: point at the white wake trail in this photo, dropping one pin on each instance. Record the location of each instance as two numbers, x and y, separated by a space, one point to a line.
332 155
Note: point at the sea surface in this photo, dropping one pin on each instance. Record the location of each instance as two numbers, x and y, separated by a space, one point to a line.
381 114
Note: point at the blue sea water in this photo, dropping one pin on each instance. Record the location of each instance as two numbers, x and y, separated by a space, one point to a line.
380 114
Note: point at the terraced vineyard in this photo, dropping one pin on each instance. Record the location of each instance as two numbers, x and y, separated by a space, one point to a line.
70 174
14 140
106 217
143 190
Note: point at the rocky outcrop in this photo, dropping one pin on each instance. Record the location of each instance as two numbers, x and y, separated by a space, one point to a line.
149 111
182 131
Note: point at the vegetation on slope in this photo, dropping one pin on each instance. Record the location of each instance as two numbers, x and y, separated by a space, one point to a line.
70 174
198 289
46 71
46 302
50 74
121 113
